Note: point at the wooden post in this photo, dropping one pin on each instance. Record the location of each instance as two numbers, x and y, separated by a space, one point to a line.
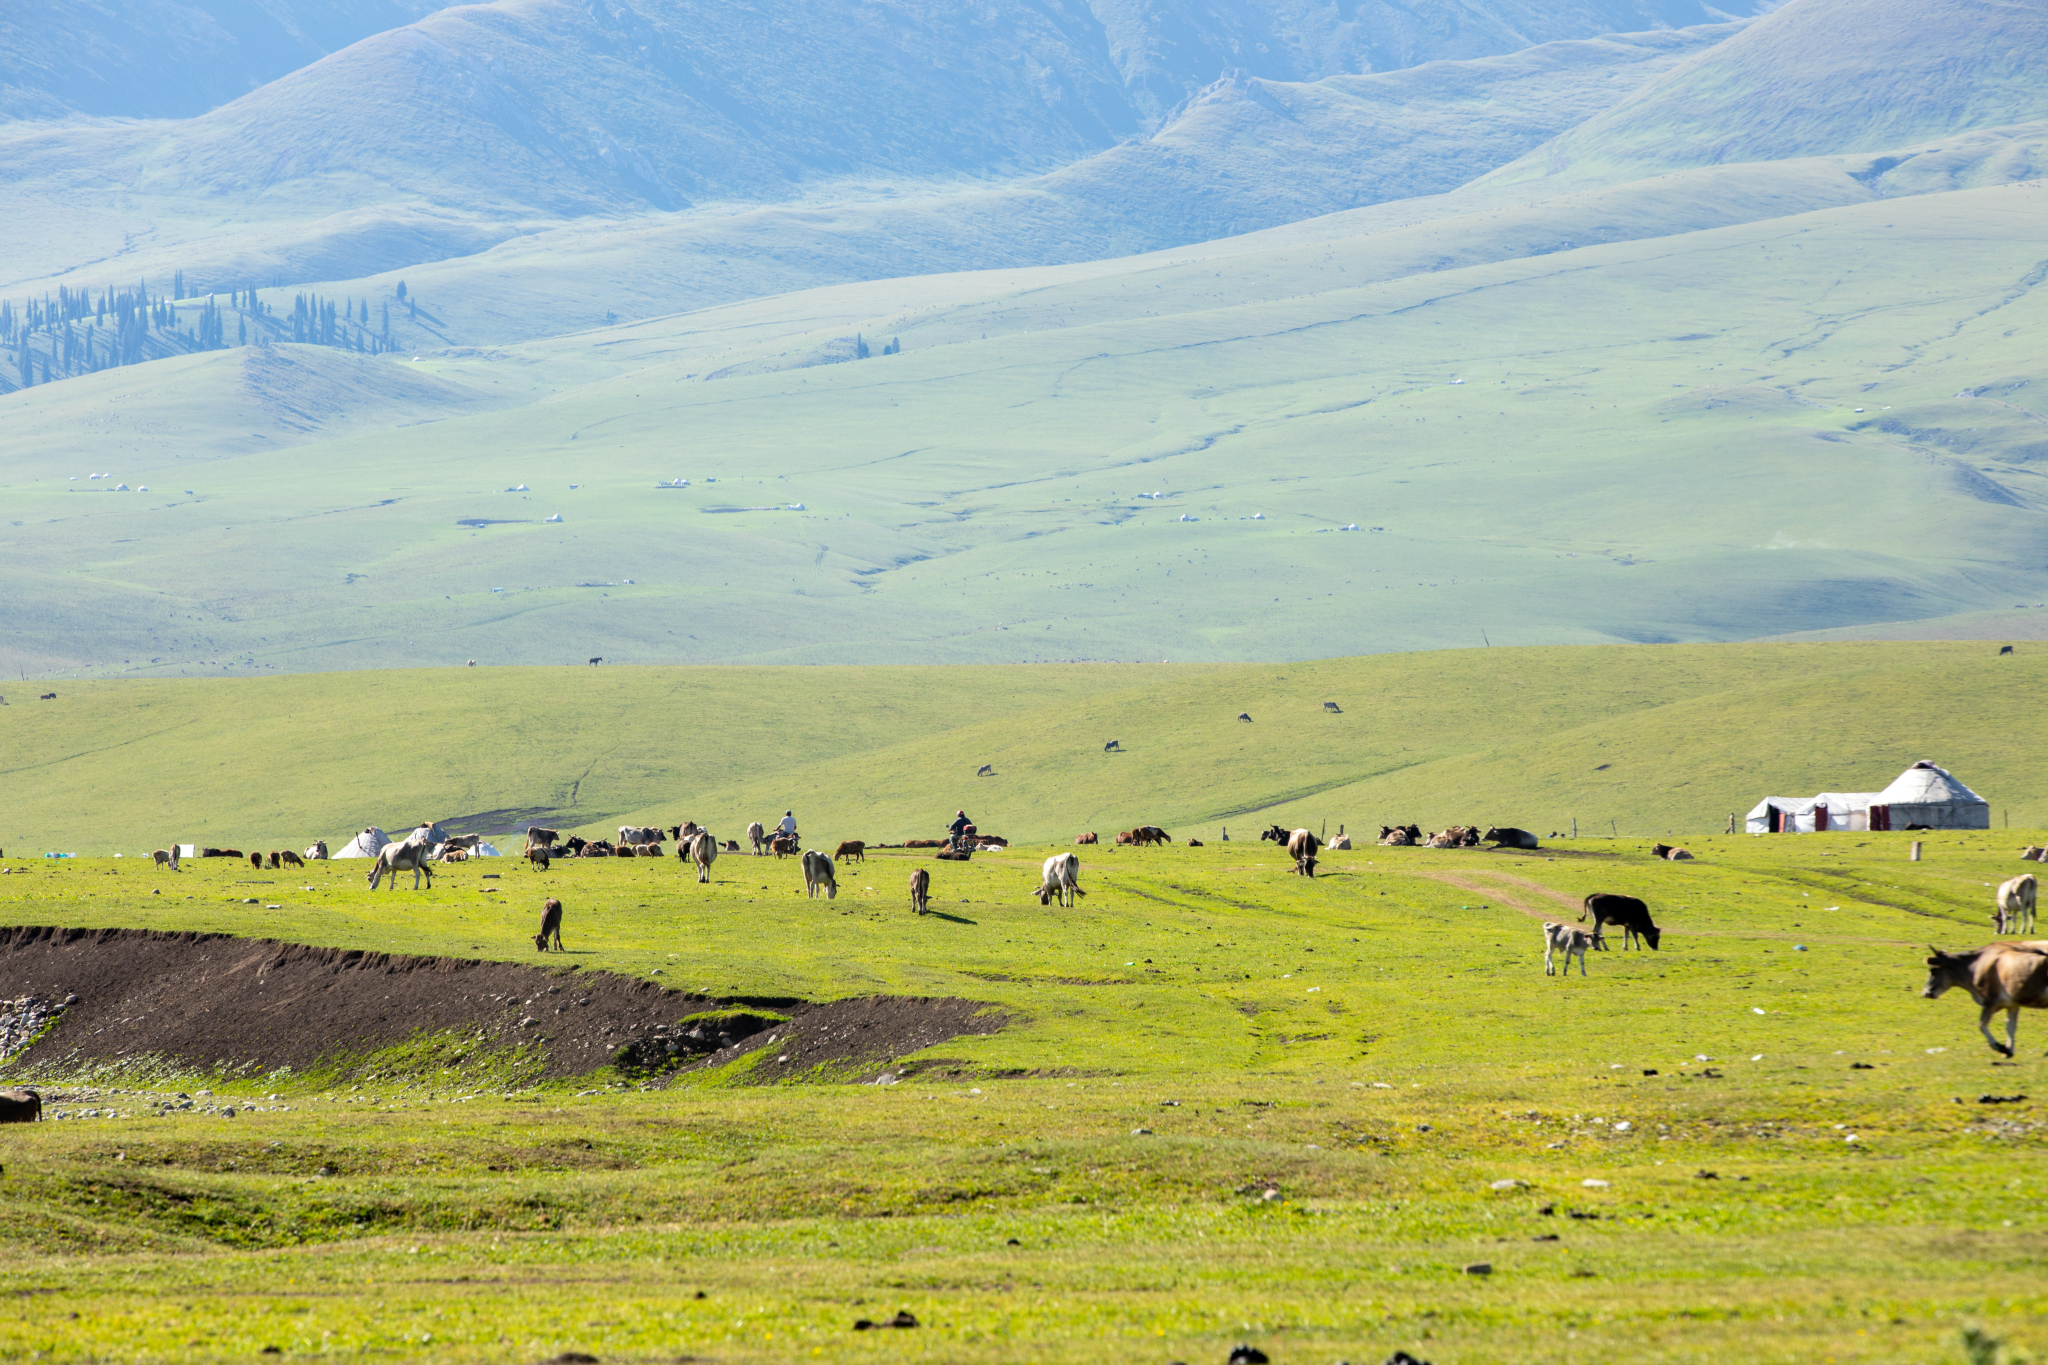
1914 856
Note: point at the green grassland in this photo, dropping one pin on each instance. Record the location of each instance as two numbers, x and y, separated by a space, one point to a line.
1378 1048
1655 739
1748 430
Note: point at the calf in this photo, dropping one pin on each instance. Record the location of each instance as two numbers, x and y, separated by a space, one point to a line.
1194 843
1631 914
1302 846
784 845
550 923
1060 878
818 874
2014 913
920 889
855 849
1568 939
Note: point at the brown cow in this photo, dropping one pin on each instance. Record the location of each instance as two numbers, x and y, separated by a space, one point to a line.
1194 843
1088 838
1302 846
292 859
924 843
163 858
538 855
1150 834
783 845
2000 976
550 921
20 1106
920 889
256 860
855 849
1124 837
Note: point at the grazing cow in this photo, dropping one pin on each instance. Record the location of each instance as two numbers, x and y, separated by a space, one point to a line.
784 845
2000 976
20 1106
920 889
538 855
292 859
1088 838
2005 649
1061 878
1302 846
818 873
52 696
640 834
1342 841
162 857
703 852
1125 837
2015 911
1395 838
758 837
1194 843
256 860
1568 939
547 838
986 770
409 853
1510 837
1149 834
318 852
596 660
1275 833
1631 914
1332 707
1244 715
855 849
550 921
1105 748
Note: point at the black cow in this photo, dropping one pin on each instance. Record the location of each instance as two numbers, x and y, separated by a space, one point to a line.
1276 834
1510 837
1631 914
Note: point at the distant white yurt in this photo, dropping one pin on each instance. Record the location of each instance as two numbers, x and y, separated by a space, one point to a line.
368 844
1924 796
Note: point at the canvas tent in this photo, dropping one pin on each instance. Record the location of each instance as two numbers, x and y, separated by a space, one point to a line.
368 844
1924 796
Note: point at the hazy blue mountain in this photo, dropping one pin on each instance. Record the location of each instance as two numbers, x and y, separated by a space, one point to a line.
170 58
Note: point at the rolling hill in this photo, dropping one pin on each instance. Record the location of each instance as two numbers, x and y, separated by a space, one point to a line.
1664 739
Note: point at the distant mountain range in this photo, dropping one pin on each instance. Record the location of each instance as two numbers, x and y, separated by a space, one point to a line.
627 242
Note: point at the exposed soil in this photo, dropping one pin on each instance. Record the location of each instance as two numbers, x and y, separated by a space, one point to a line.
218 1001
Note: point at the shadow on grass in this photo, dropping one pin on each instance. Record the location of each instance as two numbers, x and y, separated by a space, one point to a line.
956 919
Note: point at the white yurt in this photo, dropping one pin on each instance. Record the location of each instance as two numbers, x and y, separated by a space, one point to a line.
368 844
1925 796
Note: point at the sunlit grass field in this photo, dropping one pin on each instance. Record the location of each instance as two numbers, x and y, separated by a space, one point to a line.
1807 1176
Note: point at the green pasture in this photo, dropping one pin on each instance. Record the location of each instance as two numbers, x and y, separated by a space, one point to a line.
1647 740
1378 1048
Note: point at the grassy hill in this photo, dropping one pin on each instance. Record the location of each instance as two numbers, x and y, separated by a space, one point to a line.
1652 739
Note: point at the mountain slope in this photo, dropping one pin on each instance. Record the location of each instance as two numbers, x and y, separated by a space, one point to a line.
1816 77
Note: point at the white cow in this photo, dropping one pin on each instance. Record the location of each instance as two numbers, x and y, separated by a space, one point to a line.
2015 913
818 873
1060 877
704 852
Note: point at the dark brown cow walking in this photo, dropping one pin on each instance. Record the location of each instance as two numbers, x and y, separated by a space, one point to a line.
550 926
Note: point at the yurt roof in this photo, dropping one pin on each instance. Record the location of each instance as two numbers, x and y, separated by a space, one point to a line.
1926 784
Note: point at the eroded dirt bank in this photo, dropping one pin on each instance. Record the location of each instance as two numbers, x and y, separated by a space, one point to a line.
218 1001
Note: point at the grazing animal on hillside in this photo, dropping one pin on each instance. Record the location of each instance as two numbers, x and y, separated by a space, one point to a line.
596 660
783 845
818 873
1631 914
2015 911
1568 939
1510 837
1060 878
292 859
538 855
2000 976
256 860
409 853
758 837
986 770
1342 841
1244 715
162 857
703 852
318 852
1302 846
2005 649
1332 707
920 889
856 849
20 1106
1275 833
1105 748
1149 834
550 923
536 835
1125 837
1088 838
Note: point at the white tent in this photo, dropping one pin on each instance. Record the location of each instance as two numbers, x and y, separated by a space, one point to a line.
1923 796
368 844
